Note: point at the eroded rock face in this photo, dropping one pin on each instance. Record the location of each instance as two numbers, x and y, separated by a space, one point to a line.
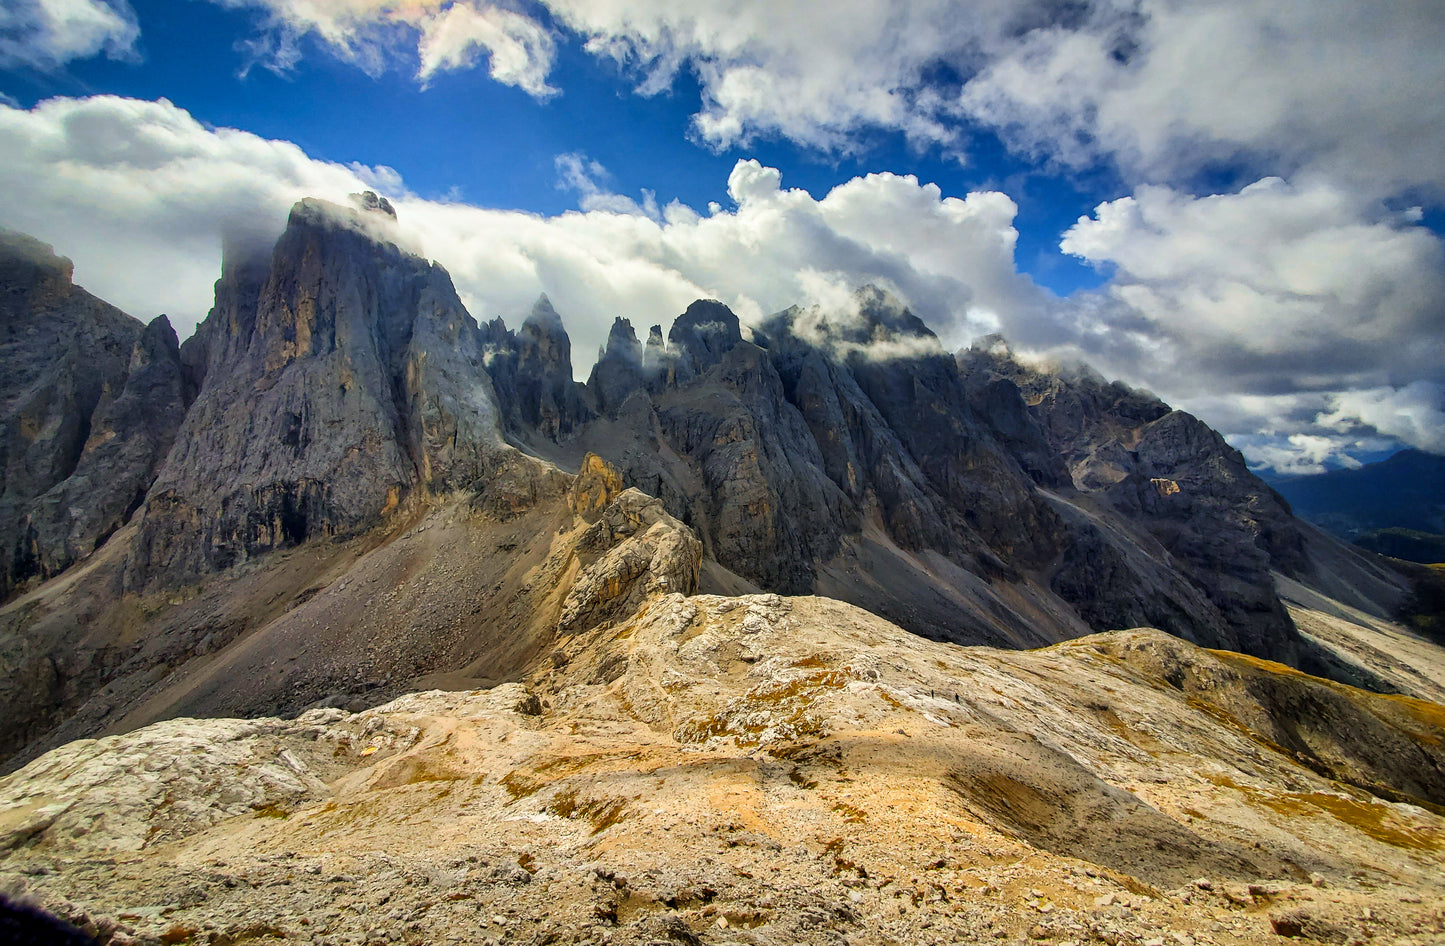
618 371
89 404
1170 473
355 380
780 449
633 550
532 373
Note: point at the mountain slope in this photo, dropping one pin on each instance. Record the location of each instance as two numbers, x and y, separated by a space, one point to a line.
767 770
1405 491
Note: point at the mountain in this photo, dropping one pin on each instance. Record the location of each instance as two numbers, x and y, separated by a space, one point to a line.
364 492
1405 491
352 620
90 402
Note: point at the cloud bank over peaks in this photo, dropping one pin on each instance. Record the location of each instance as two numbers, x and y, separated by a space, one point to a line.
1299 318
48 34
1316 310
139 194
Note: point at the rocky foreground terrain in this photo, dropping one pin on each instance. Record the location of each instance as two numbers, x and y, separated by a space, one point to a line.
764 769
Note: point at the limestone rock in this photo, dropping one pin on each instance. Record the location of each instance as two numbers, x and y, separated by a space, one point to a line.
633 550
701 336
129 438
618 372
532 373
89 402
356 379
598 483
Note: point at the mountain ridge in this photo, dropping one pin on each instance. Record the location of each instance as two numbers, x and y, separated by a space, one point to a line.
342 403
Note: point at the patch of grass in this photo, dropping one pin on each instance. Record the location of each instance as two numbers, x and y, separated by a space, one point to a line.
602 814
800 780
270 811
1367 817
850 814
790 689
519 785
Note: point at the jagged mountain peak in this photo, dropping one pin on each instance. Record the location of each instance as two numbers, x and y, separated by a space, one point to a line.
25 260
622 341
544 315
340 378
339 385
870 324
368 201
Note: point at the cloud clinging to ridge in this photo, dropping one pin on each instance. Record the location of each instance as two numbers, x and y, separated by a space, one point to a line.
138 194
1303 320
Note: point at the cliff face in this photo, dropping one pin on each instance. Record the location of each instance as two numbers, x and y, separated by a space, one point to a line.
339 379
531 371
90 400
968 498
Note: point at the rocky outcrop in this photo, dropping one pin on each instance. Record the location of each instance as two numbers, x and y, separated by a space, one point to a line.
89 404
350 379
633 550
129 439
700 337
1167 472
531 371
618 371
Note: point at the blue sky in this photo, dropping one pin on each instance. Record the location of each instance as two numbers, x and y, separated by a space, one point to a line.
467 137
1237 205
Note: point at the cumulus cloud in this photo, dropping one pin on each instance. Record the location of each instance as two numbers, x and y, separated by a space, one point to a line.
1165 88
1160 88
48 34
442 35
1414 414
1276 279
1292 299
138 194
1295 318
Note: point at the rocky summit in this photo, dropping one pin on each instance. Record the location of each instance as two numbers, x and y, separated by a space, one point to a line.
351 620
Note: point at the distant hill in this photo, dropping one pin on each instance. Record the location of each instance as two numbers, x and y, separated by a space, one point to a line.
1407 491
1408 544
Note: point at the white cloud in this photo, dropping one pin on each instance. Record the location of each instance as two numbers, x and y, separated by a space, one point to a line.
1414 414
373 33
519 49
779 247
1287 316
1161 88
1277 287
576 172
138 193
1276 313
48 34
1297 454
